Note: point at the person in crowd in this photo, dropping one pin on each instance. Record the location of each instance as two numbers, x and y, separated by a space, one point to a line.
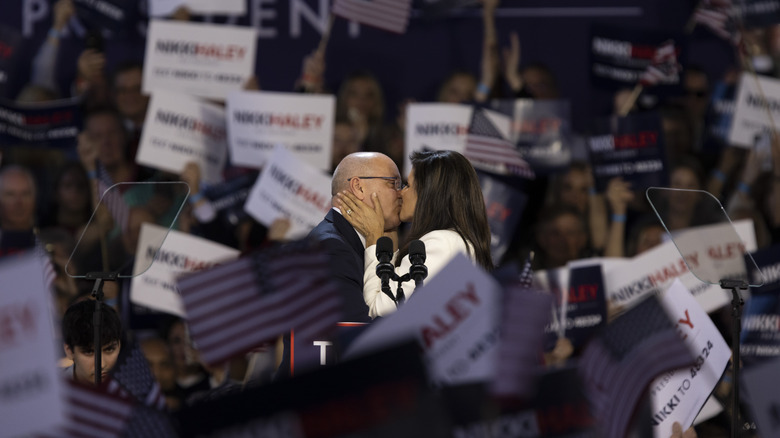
104 143
372 180
191 377
678 135
17 210
443 201
346 140
59 245
160 358
78 339
560 238
683 209
130 101
70 207
575 187
458 87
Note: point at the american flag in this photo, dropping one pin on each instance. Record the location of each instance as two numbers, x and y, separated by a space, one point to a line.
90 412
719 16
390 15
664 68
522 333
112 199
131 375
237 306
487 149
617 366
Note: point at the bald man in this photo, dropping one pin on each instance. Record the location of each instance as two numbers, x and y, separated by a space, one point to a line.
362 173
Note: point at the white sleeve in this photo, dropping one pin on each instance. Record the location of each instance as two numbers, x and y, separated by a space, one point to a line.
440 247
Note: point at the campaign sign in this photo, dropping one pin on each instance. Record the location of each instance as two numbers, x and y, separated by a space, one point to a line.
756 98
163 8
435 126
258 121
289 188
721 111
505 206
307 354
30 382
228 198
559 409
110 15
540 129
180 129
10 41
580 303
200 59
629 147
760 338
758 13
654 270
180 253
53 123
679 395
454 317
619 56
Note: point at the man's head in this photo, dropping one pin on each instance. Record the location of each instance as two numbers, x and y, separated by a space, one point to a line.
129 99
160 358
78 339
561 235
17 199
104 126
364 173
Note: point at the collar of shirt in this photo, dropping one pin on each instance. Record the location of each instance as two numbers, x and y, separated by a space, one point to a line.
362 237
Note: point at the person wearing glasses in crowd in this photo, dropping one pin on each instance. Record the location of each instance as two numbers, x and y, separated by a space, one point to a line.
443 201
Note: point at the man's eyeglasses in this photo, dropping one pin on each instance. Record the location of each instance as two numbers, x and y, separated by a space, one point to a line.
397 183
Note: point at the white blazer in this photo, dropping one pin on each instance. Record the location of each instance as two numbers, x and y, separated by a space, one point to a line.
440 247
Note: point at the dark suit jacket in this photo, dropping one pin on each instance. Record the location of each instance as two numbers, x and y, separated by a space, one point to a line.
345 254
345 251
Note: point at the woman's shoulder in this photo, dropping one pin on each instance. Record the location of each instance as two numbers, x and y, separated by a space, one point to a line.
449 237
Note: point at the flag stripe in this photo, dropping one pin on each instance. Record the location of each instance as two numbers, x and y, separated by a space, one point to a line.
390 15
235 307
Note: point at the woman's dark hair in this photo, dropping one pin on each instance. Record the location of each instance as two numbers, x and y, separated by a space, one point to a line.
449 197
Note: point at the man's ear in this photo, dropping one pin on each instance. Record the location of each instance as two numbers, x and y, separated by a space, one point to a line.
356 187
68 351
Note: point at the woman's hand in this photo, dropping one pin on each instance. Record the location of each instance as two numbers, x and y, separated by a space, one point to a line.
370 222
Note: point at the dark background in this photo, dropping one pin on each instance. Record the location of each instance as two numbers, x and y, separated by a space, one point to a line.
553 32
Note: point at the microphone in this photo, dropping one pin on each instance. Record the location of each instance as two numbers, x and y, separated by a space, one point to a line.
418 271
385 269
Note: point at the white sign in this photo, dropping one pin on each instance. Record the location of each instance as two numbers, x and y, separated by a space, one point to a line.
179 129
303 123
180 253
753 105
435 126
654 270
679 395
164 8
289 188
206 60
30 382
456 320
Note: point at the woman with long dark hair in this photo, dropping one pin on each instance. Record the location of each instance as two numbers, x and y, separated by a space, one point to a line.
443 201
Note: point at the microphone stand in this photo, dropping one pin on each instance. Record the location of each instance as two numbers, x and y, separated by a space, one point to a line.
736 327
97 317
